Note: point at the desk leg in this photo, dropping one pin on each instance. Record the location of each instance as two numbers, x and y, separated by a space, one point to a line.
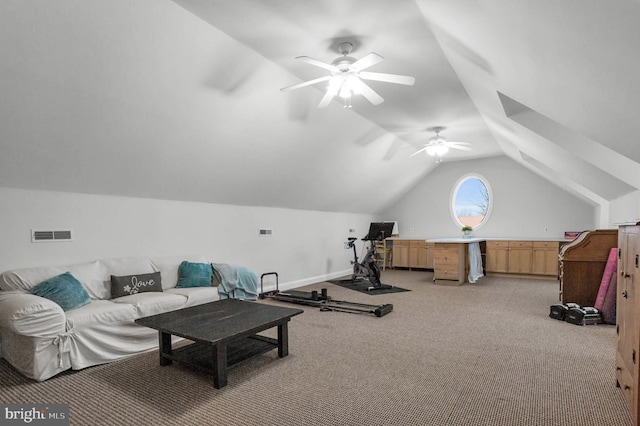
283 339
220 365
165 347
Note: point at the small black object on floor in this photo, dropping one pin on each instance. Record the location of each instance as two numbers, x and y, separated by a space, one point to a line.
576 314
365 286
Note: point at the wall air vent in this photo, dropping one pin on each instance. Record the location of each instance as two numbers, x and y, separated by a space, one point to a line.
265 232
51 235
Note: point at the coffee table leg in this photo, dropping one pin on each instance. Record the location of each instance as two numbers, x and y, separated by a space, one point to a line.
165 347
220 365
283 339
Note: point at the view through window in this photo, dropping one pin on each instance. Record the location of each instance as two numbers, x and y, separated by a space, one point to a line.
471 201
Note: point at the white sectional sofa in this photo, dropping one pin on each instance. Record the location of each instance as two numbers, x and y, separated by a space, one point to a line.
40 339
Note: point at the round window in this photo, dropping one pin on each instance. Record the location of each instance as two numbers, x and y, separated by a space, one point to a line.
471 201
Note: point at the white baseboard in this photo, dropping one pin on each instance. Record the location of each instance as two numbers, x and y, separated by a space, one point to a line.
312 280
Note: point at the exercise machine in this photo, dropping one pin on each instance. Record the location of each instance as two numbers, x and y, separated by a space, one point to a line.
368 268
321 300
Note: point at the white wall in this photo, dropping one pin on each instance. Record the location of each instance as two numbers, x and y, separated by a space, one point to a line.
625 208
305 247
524 204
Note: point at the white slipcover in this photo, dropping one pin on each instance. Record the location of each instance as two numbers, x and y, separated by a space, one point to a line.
40 340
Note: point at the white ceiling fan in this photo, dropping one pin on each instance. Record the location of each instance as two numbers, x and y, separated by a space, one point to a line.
438 145
346 77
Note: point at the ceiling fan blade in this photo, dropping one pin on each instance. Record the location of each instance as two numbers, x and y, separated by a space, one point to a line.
460 147
318 63
332 90
370 94
389 78
418 151
306 83
366 61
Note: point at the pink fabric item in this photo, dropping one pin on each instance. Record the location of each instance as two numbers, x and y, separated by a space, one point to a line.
609 271
609 306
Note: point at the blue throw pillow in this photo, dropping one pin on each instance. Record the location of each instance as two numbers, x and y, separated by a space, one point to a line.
64 289
194 275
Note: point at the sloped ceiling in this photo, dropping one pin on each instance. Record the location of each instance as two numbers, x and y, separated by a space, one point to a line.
180 99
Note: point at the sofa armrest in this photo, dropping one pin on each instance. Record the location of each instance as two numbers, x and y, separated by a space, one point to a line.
30 315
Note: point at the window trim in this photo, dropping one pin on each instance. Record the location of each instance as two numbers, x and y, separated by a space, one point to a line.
454 191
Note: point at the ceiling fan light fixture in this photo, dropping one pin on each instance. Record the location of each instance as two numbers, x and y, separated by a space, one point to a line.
345 90
354 84
437 150
348 75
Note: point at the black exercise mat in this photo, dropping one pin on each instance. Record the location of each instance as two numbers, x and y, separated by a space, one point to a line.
363 285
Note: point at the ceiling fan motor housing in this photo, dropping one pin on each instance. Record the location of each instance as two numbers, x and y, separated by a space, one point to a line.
343 63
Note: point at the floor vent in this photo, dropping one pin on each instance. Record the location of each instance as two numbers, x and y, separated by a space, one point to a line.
45 236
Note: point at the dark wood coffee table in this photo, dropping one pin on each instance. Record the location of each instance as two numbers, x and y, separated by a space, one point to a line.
223 334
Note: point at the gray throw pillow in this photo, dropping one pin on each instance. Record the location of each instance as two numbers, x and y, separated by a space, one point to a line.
133 284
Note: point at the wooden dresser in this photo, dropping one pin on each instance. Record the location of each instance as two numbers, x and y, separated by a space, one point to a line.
450 263
628 316
582 264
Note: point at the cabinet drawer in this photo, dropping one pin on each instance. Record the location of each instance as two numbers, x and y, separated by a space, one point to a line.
546 244
625 380
520 244
400 243
446 272
497 244
444 258
418 243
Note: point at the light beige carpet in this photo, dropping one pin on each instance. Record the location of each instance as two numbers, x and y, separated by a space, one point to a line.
478 354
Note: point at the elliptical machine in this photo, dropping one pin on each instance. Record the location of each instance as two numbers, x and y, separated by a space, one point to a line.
368 268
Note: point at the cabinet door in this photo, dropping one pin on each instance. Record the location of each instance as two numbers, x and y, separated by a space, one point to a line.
628 299
430 250
520 260
497 256
401 254
418 254
545 257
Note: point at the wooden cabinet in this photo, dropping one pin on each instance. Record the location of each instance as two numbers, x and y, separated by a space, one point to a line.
498 256
400 253
411 254
545 258
520 257
628 316
418 254
430 254
510 257
582 264
450 263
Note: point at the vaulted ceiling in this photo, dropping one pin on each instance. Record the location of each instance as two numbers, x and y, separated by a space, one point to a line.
180 99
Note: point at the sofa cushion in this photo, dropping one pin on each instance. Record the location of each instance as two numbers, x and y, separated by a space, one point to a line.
132 284
152 303
196 295
92 276
194 275
24 279
64 290
127 266
101 312
168 266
